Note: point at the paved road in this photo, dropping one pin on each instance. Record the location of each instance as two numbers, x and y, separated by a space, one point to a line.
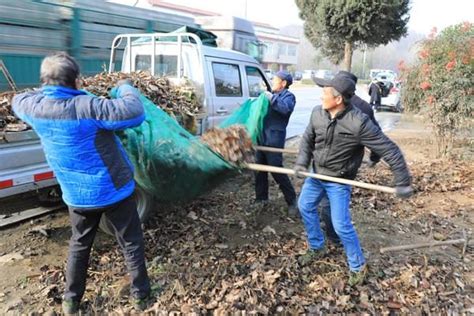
308 97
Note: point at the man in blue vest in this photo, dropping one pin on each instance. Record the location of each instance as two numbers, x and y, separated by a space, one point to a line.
91 166
282 104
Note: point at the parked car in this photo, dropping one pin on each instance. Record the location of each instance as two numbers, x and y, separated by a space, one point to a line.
269 73
308 74
298 76
323 73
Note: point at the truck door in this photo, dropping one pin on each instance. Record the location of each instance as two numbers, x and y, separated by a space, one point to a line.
256 81
226 89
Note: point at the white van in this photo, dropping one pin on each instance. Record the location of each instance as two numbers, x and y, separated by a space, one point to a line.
223 78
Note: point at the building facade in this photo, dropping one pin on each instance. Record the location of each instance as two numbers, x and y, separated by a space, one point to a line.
278 51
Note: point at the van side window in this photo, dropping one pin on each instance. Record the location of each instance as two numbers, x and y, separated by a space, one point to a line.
227 80
256 82
165 65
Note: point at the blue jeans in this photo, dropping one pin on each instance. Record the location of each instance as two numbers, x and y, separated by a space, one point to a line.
339 196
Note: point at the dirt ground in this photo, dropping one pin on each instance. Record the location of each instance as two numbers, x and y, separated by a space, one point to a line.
221 253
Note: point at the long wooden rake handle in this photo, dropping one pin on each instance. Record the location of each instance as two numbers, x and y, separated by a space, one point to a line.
265 168
295 152
276 150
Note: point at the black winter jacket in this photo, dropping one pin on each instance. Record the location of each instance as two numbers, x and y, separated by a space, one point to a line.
337 145
365 108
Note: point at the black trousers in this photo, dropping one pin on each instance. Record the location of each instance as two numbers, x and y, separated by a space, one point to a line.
325 211
261 178
124 219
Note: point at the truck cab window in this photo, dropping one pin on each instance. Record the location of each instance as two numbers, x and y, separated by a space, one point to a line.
256 81
165 65
227 80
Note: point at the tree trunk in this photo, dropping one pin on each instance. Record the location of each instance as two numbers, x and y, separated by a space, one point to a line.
348 56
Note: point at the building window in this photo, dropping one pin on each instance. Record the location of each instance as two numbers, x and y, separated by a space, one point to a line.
291 50
268 48
227 80
282 49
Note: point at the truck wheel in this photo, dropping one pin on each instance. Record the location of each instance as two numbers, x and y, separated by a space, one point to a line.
50 196
145 205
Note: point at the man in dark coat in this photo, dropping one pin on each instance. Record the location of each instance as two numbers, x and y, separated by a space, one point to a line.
334 142
375 92
282 104
323 207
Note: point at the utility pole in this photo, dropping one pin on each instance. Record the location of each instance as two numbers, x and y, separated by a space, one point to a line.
245 9
363 61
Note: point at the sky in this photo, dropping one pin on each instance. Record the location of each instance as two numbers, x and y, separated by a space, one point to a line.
425 14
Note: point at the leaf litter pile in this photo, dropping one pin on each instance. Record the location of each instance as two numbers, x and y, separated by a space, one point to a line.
232 143
174 99
221 253
180 102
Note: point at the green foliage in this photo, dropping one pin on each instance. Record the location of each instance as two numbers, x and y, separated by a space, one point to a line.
291 69
411 97
440 85
330 24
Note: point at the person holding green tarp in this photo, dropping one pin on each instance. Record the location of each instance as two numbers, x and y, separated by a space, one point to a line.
77 132
282 104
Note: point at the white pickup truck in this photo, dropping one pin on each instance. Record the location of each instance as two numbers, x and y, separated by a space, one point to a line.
224 80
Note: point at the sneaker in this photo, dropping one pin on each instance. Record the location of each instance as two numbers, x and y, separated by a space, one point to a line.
335 242
260 205
293 211
70 307
358 277
310 255
142 304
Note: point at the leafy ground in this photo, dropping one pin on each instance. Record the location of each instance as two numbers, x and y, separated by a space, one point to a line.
220 253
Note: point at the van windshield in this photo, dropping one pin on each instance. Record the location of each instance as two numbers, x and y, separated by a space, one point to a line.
165 65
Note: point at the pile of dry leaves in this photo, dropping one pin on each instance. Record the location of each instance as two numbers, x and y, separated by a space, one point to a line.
221 253
8 121
175 100
232 143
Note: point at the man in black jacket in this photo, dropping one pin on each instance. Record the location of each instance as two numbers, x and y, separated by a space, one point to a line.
323 207
375 92
334 140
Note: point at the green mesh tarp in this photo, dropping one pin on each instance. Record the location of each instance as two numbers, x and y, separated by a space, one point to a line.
173 164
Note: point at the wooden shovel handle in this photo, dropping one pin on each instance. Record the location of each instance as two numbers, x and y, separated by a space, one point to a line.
276 150
265 168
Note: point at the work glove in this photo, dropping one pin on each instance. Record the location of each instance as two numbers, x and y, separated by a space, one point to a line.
298 169
404 192
269 95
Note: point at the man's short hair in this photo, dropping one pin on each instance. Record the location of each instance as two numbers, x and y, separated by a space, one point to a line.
345 99
59 69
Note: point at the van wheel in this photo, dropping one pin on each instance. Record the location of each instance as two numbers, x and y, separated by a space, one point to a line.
145 205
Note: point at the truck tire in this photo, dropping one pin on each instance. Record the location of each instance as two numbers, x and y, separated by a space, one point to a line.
50 196
145 205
